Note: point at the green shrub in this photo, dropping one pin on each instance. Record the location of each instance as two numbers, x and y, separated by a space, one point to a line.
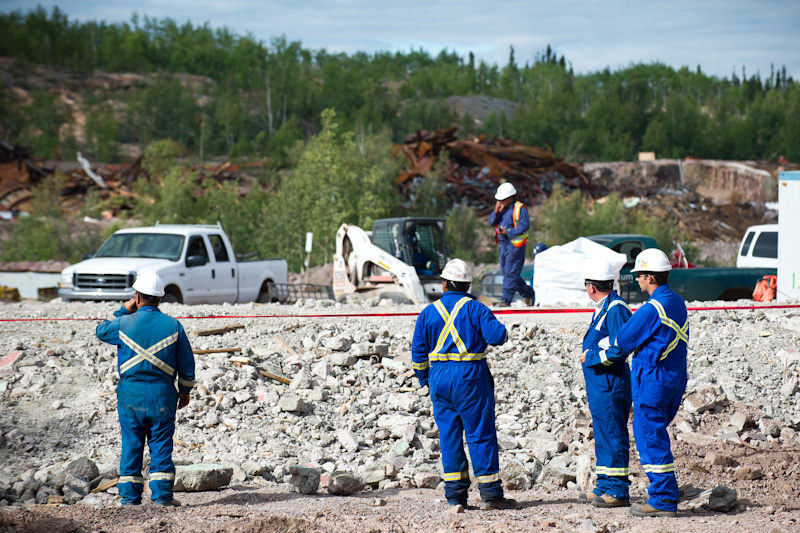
565 217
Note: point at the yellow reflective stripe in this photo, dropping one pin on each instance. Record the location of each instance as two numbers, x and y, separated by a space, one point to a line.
449 329
610 471
446 317
604 358
659 469
681 333
455 476
158 476
421 366
186 382
133 361
149 354
619 302
456 356
131 479
488 478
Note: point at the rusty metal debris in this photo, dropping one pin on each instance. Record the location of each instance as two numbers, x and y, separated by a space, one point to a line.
478 165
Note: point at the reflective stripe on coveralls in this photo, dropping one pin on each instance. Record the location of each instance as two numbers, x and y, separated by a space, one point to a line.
149 354
520 240
450 330
681 333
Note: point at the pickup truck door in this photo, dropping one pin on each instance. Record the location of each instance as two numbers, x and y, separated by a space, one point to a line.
223 273
198 277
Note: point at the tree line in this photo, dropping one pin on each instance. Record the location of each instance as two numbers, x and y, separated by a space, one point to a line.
260 97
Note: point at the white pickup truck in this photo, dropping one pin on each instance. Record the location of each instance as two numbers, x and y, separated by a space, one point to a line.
196 263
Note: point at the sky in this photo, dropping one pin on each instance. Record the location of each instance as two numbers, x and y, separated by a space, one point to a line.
719 35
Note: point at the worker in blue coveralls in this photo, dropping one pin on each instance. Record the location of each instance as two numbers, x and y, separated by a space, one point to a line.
608 388
450 339
511 222
152 349
658 336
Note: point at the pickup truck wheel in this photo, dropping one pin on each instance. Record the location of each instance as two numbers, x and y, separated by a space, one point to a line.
172 297
263 295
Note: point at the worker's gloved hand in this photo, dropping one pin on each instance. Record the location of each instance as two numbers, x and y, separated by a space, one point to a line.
183 400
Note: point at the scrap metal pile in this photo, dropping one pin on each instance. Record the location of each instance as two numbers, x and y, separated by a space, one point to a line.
478 165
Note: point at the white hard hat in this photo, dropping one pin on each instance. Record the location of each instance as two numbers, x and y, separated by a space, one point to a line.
457 270
652 260
505 190
598 270
149 283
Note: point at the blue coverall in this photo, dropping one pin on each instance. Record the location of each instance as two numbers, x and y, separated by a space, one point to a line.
659 333
152 350
608 387
450 339
512 258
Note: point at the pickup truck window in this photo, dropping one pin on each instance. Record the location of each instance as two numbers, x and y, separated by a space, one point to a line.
631 249
218 245
766 245
197 247
153 245
746 244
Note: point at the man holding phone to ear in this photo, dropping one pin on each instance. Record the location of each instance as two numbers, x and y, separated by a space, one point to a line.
152 349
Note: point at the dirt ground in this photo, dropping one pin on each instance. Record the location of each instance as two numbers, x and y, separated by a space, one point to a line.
770 504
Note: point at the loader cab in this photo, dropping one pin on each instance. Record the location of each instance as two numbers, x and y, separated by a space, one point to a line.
415 241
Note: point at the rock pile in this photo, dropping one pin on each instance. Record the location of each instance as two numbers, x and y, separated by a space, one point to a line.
352 417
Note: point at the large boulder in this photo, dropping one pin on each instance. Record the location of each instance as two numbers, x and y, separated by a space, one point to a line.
344 484
201 477
81 467
305 479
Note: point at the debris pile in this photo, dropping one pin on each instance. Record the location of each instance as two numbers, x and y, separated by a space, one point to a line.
20 173
352 417
477 166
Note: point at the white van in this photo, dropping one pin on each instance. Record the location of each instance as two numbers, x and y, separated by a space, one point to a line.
759 247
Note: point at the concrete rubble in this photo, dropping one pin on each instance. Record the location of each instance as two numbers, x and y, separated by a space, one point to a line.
352 418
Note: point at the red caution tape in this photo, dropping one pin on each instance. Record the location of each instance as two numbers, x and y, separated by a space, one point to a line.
369 315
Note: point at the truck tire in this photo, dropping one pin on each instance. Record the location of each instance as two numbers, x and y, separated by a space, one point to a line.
731 295
172 296
264 296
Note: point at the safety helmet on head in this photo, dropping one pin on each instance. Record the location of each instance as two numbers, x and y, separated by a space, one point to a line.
505 190
458 271
652 260
598 270
539 248
411 239
149 283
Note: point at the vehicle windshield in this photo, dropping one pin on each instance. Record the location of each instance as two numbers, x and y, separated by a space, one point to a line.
151 245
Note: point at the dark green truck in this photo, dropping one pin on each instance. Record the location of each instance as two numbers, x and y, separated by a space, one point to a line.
702 284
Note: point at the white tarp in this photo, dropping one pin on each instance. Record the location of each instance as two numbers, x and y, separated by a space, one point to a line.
558 271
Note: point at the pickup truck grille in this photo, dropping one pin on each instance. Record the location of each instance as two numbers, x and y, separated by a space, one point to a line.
102 281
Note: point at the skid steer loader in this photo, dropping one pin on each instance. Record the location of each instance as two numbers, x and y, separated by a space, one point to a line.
401 258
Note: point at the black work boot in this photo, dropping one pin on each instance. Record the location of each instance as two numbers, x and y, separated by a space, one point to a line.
499 504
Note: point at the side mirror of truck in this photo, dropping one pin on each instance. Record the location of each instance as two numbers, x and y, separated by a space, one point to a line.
196 261
84 257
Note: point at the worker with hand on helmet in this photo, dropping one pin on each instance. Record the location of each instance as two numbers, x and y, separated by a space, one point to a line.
152 349
511 221
608 387
448 355
658 335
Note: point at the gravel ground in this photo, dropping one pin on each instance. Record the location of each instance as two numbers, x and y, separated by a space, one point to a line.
737 428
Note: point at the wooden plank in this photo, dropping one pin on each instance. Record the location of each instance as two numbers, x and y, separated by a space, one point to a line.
105 486
218 331
219 350
288 348
273 376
